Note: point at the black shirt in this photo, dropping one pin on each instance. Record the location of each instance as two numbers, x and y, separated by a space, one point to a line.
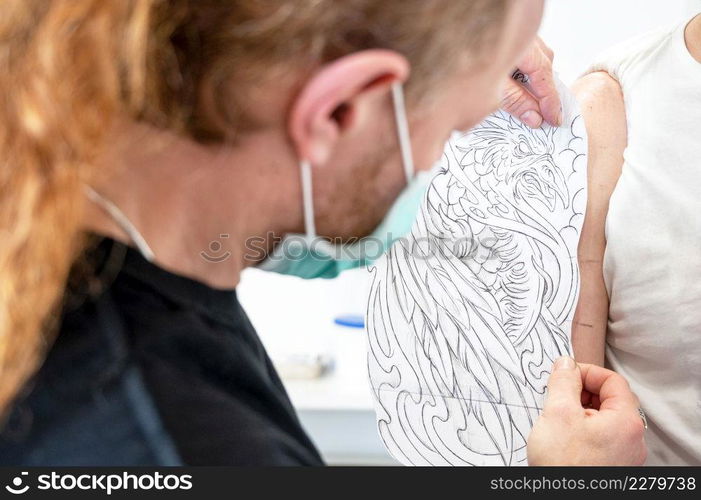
184 379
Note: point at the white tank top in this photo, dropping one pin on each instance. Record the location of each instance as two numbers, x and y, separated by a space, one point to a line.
652 263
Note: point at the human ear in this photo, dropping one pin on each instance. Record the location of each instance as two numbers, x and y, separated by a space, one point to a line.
326 104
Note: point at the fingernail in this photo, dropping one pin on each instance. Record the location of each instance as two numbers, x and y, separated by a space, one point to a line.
564 363
560 117
532 119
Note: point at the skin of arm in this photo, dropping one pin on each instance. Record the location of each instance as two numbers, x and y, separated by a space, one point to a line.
603 110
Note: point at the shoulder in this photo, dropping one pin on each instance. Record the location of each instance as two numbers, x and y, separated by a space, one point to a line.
602 105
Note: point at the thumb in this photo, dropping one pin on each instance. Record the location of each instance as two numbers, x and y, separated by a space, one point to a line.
564 387
519 103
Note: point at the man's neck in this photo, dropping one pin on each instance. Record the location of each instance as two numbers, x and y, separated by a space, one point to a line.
206 213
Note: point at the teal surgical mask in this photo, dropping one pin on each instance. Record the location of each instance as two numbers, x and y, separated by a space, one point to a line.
310 256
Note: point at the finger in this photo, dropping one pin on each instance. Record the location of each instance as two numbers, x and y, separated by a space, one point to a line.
637 400
590 400
518 102
538 67
586 399
612 389
546 50
564 389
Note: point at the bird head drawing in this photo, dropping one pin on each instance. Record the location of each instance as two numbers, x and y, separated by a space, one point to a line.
519 165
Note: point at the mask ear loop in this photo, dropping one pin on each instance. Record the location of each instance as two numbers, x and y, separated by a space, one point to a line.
403 130
305 169
122 221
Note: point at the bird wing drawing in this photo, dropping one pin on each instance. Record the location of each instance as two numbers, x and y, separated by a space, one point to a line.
467 314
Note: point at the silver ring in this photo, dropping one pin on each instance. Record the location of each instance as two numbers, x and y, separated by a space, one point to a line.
641 413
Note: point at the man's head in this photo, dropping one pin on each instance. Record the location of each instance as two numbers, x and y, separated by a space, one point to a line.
342 120
319 72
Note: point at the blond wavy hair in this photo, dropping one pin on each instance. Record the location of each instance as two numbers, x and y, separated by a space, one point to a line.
69 68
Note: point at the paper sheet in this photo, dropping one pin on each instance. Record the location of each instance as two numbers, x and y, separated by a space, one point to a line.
466 315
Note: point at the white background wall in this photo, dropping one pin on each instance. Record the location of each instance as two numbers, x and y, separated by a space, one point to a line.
577 30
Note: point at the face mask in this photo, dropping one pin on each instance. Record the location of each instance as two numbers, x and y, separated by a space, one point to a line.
309 256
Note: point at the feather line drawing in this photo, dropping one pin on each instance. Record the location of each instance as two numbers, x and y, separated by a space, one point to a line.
467 314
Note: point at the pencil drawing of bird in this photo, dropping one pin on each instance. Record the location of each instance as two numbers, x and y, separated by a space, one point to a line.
467 314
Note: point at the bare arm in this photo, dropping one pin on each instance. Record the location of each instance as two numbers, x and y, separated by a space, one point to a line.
603 110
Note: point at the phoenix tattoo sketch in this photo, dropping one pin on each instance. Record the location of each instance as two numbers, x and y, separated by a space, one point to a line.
467 314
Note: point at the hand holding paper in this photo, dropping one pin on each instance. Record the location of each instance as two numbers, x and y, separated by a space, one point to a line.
531 93
609 433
